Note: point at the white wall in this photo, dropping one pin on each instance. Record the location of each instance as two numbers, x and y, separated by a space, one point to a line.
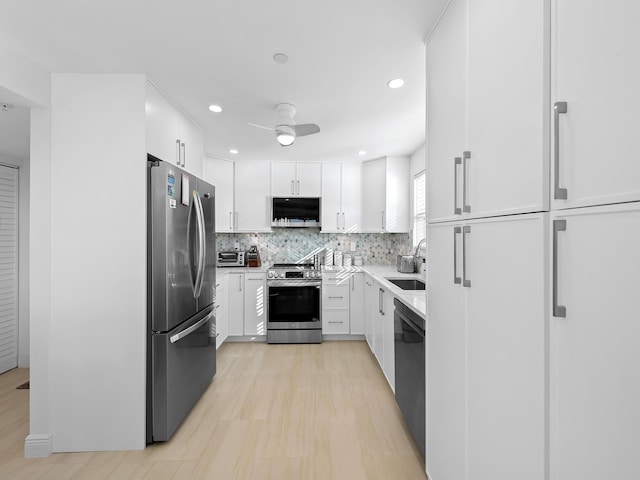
23 255
418 163
98 262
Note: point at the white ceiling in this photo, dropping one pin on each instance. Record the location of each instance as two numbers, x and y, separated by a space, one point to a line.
341 55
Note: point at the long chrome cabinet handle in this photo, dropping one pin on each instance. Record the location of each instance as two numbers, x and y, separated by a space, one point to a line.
382 301
178 163
230 220
292 191
558 226
558 108
465 281
456 231
236 220
383 221
465 158
456 161
338 220
184 154
298 192
344 223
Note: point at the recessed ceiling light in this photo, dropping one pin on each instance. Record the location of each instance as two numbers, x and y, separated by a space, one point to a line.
280 58
233 150
362 152
395 83
215 108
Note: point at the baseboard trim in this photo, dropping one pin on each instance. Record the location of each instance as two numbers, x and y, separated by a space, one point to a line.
38 445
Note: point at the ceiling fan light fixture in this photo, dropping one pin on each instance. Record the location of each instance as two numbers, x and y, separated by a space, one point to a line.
285 139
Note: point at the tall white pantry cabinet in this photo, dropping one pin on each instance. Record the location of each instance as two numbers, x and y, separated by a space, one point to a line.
533 335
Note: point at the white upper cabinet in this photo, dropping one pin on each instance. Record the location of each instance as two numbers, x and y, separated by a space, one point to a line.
295 179
219 173
595 102
446 110
341 197
486 100
171 136
243 198
252 197
385 195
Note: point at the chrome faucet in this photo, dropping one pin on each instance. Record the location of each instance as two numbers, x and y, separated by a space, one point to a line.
417 254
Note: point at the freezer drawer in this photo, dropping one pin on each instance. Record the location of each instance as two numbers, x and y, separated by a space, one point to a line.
183 363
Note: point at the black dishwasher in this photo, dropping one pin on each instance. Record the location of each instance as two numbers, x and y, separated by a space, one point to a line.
409 329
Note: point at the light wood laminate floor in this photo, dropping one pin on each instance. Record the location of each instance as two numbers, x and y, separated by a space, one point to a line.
272 412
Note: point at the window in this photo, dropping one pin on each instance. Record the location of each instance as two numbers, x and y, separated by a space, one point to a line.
419 208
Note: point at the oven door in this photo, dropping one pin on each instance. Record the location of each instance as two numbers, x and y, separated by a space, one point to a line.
294 304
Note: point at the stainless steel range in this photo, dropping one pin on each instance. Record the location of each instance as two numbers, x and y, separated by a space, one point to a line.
294 304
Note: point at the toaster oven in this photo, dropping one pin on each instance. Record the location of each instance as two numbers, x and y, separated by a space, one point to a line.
231 259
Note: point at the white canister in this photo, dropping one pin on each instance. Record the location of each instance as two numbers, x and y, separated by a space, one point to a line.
357 260
347 260
328 257
337 257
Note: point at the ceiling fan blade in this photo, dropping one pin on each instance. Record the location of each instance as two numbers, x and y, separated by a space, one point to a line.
262 126
305 129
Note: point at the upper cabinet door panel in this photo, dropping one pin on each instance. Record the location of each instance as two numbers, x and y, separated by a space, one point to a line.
252 197
283 179
595 347
331 206
308 179
163 124
446 110
596 71
351 197
507 171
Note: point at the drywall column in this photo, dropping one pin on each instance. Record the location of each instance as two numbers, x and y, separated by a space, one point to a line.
98 262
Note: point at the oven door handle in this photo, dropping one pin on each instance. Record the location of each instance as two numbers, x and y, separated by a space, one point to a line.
294 283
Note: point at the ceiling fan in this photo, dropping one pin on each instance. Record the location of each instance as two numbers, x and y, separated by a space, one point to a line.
286 129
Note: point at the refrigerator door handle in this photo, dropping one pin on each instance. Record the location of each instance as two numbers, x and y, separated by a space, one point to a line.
201 244
180 335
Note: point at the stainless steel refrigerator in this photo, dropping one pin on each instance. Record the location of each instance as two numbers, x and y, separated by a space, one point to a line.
181 346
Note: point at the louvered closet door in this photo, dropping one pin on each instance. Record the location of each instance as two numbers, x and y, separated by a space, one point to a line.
8 268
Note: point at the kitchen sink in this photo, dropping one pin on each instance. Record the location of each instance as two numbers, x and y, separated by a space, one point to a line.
407 283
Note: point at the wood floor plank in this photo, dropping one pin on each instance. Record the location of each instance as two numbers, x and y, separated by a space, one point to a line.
272 412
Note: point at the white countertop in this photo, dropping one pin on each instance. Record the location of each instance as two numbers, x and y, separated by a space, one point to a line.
416 300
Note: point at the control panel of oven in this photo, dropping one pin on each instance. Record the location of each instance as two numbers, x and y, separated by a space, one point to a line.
296 274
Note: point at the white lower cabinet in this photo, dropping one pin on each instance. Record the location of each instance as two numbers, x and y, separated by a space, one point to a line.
595 344
370 293
382 330
235 310
335 306
486 344
255 307
356 304
387 332
222 310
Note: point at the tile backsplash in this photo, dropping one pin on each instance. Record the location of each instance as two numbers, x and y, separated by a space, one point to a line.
293 245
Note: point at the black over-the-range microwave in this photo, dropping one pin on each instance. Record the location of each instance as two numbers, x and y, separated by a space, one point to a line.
295 212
